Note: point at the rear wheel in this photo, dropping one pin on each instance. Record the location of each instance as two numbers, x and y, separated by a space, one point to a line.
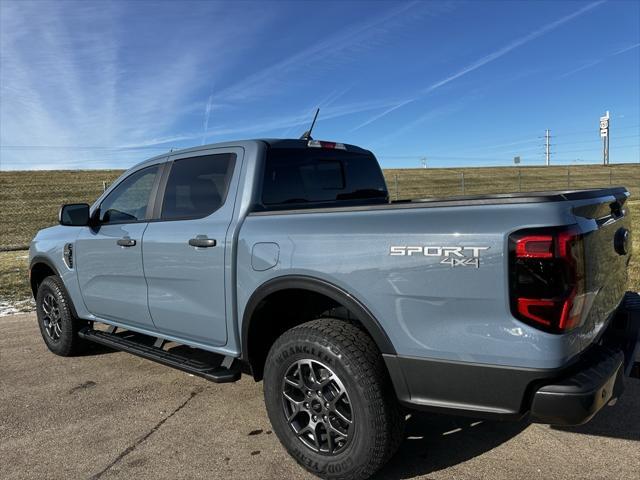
330 400
58 326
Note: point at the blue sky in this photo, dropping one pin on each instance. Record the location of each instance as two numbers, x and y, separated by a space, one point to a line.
108 84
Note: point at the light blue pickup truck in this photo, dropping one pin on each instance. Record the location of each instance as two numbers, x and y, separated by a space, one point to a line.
286 260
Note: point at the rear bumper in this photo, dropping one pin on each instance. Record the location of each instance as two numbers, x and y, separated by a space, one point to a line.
566 396
576 399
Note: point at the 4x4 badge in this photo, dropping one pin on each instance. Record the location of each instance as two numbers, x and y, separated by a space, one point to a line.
454 256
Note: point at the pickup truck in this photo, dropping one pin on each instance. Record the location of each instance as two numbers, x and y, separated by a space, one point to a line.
286 260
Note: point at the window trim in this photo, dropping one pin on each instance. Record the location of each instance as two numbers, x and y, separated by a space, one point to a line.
150 201
159 200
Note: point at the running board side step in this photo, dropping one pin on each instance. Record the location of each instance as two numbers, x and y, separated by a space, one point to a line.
219 369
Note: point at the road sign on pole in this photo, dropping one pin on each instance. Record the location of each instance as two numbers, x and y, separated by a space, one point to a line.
604 134
604 125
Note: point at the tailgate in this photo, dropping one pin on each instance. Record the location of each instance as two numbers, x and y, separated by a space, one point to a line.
606 223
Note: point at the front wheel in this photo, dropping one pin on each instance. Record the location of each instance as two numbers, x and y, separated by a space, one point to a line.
330 400
58 326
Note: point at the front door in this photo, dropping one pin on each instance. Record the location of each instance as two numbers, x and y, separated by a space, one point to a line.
109 256
184 252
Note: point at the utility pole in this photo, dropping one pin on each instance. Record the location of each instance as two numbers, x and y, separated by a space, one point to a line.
604 134
547 146
423 160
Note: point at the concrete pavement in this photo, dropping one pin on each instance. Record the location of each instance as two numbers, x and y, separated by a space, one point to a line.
112 415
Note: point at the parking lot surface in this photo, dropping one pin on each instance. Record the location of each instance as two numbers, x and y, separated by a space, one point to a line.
111 415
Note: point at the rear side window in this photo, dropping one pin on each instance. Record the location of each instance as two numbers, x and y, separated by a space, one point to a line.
197 186
308 177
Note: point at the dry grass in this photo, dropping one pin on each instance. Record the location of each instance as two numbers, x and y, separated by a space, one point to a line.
444 182
14 284
29 201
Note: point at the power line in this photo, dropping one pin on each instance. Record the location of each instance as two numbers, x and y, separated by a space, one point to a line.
79 147
597 141
580 132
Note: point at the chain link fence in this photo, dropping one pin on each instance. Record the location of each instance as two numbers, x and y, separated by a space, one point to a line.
445 182
30 201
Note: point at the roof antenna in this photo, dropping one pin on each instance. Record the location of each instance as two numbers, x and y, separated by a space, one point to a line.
307 135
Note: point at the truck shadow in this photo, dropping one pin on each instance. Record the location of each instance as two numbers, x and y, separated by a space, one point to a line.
93 349
435 442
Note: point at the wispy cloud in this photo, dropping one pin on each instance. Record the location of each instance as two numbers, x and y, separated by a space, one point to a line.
323 104
274 123
82 74
592 63
493 56
327 52
432 114
207 114
384 113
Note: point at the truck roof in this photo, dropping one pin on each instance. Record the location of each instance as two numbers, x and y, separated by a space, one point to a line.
271 142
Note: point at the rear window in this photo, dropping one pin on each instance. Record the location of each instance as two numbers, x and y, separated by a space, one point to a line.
298 178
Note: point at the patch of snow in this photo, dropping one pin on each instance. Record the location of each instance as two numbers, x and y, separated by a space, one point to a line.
9 307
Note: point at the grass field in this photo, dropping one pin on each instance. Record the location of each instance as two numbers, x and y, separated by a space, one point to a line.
443 182
29 201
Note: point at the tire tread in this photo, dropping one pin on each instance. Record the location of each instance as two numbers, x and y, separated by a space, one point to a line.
371 374
70 344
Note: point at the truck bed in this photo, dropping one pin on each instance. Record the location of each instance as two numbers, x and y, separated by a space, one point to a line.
468 200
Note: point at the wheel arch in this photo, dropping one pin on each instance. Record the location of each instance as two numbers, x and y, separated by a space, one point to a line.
315 289
40 268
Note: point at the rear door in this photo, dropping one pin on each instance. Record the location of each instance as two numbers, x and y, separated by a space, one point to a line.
184 251
109 256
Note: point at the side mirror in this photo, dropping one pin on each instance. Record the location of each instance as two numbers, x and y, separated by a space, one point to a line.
74 215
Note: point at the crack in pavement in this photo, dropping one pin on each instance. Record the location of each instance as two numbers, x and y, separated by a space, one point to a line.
142 439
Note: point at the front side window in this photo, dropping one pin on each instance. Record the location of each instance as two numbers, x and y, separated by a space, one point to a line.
197 186
128 202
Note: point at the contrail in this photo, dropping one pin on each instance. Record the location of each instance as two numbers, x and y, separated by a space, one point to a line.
487 59
207 113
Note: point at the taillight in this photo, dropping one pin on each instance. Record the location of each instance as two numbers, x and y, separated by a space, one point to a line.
547 286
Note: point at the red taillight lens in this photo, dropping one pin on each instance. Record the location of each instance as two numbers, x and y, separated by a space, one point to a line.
539 311
535 246
547 278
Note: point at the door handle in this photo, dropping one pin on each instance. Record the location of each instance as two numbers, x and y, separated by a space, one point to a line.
126 242
202 241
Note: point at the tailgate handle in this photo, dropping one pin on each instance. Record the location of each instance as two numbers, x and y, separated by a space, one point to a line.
616 209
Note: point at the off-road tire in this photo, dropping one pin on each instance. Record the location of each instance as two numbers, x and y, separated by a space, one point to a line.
65 340
353 357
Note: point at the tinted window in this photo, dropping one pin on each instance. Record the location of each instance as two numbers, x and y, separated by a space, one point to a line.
129 200
197 186
310 176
